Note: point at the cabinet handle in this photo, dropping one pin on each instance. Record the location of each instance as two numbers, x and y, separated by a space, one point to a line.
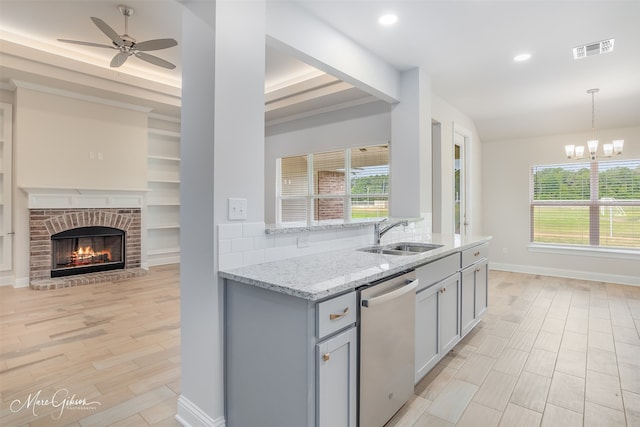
442 290
338 316
326 357
477 253
478 270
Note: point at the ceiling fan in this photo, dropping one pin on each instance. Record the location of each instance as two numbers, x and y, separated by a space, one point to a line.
127 45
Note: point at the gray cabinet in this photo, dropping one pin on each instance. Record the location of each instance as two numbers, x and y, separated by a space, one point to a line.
336 365
289 361
449 313
468 300
481 281
474 297
450 300
437 312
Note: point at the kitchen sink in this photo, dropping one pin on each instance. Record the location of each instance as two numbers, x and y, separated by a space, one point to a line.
403 248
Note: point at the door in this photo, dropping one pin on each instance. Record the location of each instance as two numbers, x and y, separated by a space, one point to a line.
461 206
336 363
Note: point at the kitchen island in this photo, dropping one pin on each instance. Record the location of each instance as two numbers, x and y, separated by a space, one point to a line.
291 331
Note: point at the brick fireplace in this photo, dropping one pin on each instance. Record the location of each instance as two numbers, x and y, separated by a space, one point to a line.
68 213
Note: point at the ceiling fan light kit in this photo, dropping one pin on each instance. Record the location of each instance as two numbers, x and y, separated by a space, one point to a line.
609 150
126 44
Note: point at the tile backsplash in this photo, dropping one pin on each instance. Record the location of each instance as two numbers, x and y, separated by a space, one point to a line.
242 244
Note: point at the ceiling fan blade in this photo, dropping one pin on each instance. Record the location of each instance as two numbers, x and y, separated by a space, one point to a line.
110 32
155 60
119 59
87 43
156 44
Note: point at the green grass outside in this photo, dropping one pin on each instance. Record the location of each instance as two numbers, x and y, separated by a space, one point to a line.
362 212
619 227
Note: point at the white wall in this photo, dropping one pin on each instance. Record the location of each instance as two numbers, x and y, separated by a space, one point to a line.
222 156
55 136
505 184
411 146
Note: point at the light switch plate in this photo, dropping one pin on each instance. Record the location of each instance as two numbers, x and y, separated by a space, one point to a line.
237 209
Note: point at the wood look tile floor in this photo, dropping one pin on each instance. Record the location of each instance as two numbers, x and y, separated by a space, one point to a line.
549 352
115 343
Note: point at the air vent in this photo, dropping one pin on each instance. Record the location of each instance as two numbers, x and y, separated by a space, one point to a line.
604 46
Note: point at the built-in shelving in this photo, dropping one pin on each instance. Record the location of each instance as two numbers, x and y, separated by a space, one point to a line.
163 199
6 224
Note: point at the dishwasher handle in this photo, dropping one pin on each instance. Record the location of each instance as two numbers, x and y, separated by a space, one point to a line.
410 286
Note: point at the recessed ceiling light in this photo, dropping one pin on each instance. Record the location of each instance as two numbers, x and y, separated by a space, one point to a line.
388 19
522 57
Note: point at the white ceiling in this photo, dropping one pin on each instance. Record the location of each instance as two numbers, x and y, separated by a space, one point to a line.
465 46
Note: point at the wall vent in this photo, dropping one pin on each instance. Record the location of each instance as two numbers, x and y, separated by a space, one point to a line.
604 46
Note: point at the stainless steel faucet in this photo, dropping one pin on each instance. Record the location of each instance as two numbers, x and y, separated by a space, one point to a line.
379 232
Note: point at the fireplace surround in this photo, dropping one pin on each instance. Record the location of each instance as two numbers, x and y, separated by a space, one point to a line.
48 225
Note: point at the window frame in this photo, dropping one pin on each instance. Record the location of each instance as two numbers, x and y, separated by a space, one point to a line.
594 204
311 196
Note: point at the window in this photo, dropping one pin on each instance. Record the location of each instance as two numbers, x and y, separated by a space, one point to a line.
594 204
333 187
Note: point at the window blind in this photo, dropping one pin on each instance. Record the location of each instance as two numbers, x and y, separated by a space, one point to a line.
587 204
341 185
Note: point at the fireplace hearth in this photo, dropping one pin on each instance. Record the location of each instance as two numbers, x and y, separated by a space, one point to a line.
87 250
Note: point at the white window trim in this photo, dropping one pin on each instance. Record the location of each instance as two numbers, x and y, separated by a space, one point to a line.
592 251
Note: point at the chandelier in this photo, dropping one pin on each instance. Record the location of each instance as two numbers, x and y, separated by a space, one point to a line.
610 149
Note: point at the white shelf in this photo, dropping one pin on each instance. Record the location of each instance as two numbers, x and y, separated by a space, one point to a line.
152 204
163 201
163 132
165 181
163 227
169 159
164 251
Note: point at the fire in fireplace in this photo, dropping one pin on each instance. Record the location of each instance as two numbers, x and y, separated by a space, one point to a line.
87 250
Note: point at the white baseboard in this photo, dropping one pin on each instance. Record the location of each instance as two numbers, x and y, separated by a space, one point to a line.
569 274
21 282
190 415
7 280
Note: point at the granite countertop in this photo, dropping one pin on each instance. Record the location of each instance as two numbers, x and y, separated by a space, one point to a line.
318 276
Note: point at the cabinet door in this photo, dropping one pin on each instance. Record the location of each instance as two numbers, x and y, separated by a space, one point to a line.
449 313
336 365
427 346
468 300
481 278
437 323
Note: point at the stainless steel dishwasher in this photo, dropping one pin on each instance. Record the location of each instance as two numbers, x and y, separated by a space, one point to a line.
387 348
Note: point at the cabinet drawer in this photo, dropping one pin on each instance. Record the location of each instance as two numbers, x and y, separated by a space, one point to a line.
437 270
474 254
335 314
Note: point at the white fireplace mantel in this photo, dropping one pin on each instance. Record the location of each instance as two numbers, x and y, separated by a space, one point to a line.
61 198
